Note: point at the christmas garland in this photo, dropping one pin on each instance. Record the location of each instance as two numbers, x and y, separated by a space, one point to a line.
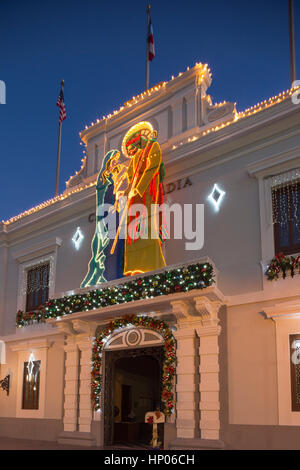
169 364
28 318
194 276
282 265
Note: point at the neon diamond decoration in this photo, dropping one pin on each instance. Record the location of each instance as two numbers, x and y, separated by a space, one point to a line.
216 197
77 238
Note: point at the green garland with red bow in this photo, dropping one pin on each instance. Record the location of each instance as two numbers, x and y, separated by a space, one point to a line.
282 265
169 364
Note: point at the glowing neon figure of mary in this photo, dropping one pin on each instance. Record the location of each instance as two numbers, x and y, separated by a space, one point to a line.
108 175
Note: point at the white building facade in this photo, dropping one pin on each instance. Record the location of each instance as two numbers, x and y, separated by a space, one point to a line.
235 384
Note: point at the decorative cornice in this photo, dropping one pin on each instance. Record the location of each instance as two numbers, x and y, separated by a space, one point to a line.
283 311
209 139
30 344
161 304
38 249
66 328
182 309
267 166
185 333
259 116
209 330
83 327
198 73
48 208
208 310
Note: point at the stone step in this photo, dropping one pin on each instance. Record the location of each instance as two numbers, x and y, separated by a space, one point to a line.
77 438
196 444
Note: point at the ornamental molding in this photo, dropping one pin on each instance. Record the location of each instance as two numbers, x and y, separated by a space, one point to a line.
79 176
208 311
39 249
136 323
84 327
30 345
199 309
183 309
117 282
209 330
283 161
283 311
95 304
185 333
213 158
79 328
53 215
153 102
217 112
158 305
133 337
66 328
230 134
23 272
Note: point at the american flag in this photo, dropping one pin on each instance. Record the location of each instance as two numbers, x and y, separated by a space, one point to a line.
151 48
62 109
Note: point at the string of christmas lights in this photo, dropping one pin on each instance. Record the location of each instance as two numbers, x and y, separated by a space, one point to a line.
135 100
194 276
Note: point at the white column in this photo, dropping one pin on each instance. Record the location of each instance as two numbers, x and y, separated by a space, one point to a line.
71 385
208 333
191 110
84 343
177 117
186 388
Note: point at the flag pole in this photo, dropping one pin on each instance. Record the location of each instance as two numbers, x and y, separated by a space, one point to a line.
147 49
292 41
58 149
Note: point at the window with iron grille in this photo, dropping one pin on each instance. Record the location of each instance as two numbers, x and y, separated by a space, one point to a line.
295 371
31 385
37 290
286 217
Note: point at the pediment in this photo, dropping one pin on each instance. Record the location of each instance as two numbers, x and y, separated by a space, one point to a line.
133 338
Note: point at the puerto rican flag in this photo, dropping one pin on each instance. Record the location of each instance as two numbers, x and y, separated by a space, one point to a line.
151 47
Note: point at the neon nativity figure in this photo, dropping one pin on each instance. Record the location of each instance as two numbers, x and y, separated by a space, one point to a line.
142 173
101 241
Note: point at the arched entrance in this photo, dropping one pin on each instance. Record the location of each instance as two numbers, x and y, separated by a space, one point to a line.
127 338
133 381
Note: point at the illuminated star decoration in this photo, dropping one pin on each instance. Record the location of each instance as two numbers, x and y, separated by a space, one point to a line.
216 197
77 238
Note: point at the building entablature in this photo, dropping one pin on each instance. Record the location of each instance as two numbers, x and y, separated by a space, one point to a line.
189 292
258 130
196 308
50 214
289 309
184 85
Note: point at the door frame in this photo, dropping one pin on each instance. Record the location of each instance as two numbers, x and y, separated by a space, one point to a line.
110 358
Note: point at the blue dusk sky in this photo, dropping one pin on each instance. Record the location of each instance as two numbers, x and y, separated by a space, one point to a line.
98 48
